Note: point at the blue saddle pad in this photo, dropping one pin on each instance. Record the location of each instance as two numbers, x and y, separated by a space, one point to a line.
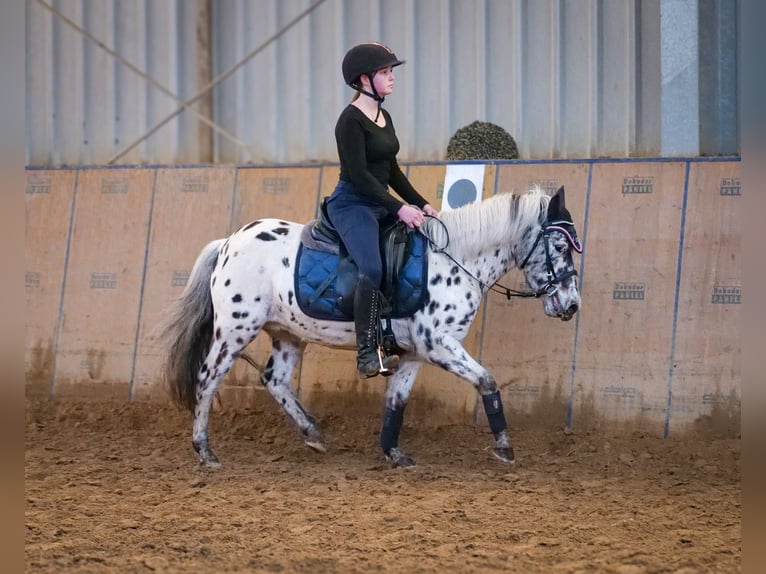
323 286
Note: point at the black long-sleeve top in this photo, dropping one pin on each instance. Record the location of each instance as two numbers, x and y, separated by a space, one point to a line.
367 155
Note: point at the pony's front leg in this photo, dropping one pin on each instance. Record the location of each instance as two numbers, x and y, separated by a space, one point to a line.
397 395
447 352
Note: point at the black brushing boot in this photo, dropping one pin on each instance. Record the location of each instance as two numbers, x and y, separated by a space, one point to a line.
370 360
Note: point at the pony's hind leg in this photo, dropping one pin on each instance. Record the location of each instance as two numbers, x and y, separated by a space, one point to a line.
397 395
277 378
218 362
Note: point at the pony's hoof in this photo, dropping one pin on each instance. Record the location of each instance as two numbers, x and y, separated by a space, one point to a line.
313 439
504 454
316 445
211 464
207 457
398 459
209 460
403 462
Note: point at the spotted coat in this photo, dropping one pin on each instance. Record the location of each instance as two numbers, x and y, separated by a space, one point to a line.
247 282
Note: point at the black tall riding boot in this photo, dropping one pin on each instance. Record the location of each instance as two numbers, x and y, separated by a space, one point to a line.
370 360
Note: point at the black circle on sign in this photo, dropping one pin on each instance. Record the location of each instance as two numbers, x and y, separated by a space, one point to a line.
460 193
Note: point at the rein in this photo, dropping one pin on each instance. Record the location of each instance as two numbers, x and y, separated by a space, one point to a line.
553 280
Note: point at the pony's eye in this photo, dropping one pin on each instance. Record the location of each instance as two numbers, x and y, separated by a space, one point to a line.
561 246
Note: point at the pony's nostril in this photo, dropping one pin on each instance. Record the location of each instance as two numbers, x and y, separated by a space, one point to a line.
572 309
569 313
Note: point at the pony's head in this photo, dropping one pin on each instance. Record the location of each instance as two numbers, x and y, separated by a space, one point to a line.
545 256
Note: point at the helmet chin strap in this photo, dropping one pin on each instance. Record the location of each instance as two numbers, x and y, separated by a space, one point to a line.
374 95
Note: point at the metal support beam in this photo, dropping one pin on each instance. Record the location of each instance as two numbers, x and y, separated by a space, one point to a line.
204 35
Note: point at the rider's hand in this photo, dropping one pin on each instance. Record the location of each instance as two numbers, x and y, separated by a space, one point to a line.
428 210
411 215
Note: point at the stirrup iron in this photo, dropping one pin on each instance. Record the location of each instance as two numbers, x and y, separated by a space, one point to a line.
387 372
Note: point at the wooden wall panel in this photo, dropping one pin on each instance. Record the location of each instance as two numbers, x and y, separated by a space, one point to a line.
191 207
655 345
429 181
327 183
104 279
628 284
529 353
283 193
49 203
706 368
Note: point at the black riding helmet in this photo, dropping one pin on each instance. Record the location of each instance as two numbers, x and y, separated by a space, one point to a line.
366 59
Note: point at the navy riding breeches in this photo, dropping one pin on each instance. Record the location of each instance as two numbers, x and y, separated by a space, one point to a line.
356 219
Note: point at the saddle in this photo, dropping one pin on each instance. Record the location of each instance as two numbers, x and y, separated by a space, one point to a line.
325 275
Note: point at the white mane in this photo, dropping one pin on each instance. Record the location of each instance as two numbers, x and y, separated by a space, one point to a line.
494 221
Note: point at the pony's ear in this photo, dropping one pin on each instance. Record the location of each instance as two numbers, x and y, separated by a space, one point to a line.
557 204
557 209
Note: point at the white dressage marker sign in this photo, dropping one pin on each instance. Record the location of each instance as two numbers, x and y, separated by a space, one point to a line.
463 184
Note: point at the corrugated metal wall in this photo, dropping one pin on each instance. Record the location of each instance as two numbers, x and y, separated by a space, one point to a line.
83 105
566 78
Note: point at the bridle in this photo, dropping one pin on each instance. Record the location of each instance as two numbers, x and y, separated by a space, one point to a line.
552 284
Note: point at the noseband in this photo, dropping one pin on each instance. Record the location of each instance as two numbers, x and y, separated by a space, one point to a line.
567 228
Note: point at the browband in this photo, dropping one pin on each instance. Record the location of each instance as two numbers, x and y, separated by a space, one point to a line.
571 237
